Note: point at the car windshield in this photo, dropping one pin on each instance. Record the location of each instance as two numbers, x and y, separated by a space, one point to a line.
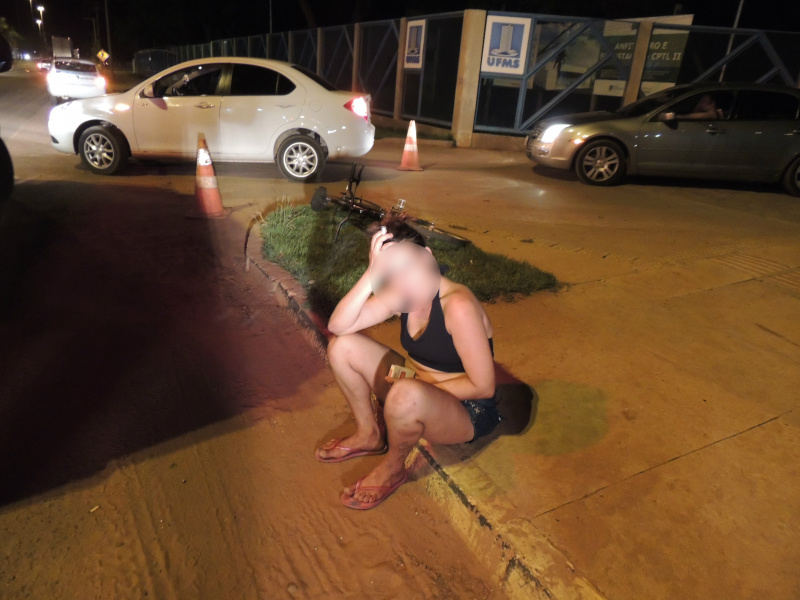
650 103
78 67
311 75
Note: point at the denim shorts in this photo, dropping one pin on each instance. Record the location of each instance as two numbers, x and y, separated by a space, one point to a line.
483 414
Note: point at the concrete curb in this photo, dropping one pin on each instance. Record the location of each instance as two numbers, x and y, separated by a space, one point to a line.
288 292
526 566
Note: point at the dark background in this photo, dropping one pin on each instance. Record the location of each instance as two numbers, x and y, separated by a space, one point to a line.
144 24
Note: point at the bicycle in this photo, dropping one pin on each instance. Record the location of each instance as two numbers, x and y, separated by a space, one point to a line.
354 204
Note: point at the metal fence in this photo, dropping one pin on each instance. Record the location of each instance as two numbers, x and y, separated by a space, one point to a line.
429 92
532 65
577 65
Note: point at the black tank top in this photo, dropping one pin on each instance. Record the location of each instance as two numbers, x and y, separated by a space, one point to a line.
434 348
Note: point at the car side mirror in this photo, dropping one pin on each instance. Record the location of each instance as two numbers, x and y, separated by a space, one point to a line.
148 92
666 116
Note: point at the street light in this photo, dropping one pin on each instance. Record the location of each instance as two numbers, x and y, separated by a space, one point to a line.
40 21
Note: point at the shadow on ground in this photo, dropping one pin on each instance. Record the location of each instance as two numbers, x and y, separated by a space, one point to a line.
120 330
333 174
673 182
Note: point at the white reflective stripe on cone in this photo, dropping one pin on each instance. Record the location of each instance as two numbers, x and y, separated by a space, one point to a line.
208 182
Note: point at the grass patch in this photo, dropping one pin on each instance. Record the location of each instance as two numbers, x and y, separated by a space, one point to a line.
301 241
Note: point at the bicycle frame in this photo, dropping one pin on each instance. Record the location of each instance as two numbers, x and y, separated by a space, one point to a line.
352 203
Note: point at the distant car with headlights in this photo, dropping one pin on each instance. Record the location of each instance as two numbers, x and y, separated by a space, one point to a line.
745 132
44 65
71 78
249 109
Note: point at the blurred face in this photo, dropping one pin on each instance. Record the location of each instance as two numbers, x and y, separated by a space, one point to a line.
405 277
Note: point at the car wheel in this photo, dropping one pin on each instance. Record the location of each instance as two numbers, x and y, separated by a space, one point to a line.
102 150
600 163
6 173
791 179
300 158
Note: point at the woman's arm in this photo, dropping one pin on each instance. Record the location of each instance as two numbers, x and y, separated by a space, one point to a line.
469 337
359 309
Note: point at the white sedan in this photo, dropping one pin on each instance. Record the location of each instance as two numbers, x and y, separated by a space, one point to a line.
74 78
249 109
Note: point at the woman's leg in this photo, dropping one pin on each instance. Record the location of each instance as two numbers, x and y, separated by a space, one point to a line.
360 365
414 409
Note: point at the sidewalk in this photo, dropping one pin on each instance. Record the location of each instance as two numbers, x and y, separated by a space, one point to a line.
661 457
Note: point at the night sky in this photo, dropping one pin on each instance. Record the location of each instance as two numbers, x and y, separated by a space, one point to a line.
144 24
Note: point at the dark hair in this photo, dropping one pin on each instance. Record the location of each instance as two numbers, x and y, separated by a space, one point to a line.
397 225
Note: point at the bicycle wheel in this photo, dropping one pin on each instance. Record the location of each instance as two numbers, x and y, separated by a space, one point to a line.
430 232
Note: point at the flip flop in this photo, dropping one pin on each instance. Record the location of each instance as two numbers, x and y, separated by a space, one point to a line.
386 490
351 452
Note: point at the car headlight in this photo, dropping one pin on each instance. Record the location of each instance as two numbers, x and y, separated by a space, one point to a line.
551 133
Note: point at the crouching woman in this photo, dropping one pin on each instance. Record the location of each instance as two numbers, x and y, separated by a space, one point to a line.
448 338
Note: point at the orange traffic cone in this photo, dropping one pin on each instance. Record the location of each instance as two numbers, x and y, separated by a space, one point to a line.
206 192
410 161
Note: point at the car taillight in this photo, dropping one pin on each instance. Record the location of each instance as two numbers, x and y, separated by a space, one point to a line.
359 106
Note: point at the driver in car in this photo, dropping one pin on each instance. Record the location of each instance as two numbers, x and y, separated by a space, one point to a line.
706 109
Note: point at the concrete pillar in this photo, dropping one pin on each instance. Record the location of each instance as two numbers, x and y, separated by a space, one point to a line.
356 55
399 78
469 76
638 62
320 51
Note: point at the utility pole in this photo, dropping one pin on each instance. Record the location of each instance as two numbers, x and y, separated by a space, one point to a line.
108 38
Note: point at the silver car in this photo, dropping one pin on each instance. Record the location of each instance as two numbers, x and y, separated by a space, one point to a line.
745 132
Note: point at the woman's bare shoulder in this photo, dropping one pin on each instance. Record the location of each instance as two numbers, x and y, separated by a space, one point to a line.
458 297
460 305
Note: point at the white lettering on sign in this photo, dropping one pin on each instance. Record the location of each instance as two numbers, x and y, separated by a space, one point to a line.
503 63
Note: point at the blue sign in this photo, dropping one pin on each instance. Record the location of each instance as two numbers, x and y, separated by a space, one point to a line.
505 45
415 45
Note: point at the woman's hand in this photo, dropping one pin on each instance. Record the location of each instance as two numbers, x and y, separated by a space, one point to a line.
376 244
358 309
